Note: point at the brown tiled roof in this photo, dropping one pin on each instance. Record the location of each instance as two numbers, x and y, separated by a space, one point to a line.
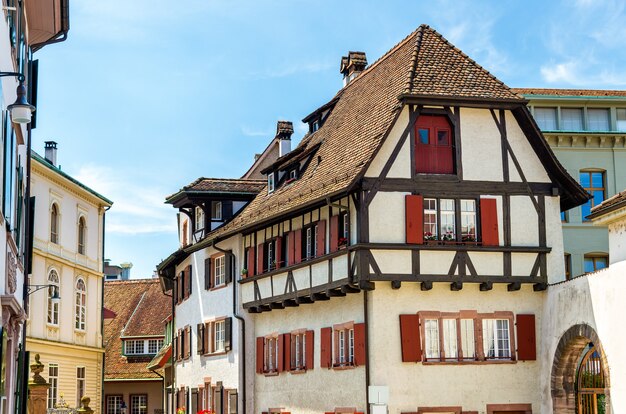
221 185
139 307
568 92
608 205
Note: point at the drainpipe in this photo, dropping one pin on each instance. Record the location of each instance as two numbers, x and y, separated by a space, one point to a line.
242 353
102 313
367 351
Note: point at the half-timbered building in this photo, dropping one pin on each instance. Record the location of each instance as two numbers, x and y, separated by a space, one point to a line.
397 258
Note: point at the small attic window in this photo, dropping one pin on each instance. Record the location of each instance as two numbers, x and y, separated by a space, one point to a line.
315 125
270 183
293 175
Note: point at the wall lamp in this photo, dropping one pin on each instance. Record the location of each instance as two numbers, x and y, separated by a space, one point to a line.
21 110
55 299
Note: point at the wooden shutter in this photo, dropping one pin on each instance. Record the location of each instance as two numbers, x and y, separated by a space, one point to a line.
179 348
228 267
326 347
281 353
260 354
308 347
410 338
278 249
291 248
489 221
187 341
297 256
251 251
334 233
189 281
207 337
200 338
526 338
286 338
414 211
180 291
321 238
260 258
207 273
228 334
175 347
359 344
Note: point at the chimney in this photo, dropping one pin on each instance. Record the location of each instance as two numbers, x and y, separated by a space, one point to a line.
284 130
126 270
51 152
352 66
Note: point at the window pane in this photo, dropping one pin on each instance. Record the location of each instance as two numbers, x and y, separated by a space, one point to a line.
467 339
600 263
448 228
589 264
546 118
621 119
450 338
598 119
423 136
468 220
572 119
598 197
430 219
443 138
596 179
585 179
432 338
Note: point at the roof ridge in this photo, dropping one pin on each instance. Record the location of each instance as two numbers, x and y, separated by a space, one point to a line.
143 295
460 52
120 282
382 58
416 50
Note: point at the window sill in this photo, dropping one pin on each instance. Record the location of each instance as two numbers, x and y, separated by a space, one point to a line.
218 287
484 362
217 353
341 367
52 325
298 371
270 373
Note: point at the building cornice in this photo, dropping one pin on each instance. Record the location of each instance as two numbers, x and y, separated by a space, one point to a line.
64 345
38 251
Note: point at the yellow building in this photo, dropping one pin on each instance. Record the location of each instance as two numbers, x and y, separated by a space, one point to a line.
67 263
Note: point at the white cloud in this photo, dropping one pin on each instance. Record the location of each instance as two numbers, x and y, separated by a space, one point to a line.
137 208
581 73
255 132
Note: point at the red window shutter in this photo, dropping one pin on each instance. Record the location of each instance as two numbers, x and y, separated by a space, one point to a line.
259 259
326 347
359 344
291 247
286 338
281 353
251 261
297 257
334 233
410 338
414 219
321 238
526 338
489 221
260 354
308 348
279 252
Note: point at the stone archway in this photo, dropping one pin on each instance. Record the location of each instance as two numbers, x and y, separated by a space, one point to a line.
565 364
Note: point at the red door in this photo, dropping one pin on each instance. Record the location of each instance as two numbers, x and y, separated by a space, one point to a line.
433 145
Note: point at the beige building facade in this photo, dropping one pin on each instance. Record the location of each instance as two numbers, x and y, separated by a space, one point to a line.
67 263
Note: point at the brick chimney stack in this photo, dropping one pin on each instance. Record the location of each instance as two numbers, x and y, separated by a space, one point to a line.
51 152
284 130
352 66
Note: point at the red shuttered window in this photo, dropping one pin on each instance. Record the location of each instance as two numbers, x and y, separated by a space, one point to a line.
410 338
434 145
297 257
320 238
326 347
526 338
360 342
260 354
251 257
260 259
489 221
334 234
414 219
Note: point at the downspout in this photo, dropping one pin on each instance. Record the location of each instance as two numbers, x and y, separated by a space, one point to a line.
367 351
173 370
242 354
163 401
102 313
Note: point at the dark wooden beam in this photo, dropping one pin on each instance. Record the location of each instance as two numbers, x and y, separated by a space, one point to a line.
321 296
291 303
350 289
512 287
426 285
539 287
366 285
456 286
467 102
396 284
335 293
486 286
450 247
453 187
277 305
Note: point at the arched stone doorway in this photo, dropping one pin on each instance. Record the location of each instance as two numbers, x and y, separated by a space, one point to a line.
574 343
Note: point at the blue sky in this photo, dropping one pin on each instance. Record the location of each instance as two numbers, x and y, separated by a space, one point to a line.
145 95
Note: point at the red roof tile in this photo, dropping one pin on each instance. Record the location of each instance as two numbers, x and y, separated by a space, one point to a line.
569 92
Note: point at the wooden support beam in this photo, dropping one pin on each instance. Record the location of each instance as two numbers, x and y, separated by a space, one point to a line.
396 284
426 285
264 308
291 303
277 305
512 287
539 287
335 293
321 296
366 285
456 286
350 289
486 286
306 300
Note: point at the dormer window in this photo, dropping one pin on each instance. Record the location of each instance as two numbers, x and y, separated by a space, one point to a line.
315 125
292 175
270 183
199 218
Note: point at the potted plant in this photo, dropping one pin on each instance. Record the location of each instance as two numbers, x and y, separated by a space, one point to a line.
428 236
342 242
180 410
244 272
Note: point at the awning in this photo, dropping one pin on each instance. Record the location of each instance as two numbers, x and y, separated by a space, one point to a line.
161 358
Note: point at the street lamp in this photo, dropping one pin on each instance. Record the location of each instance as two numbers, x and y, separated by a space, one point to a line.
21 110
55 299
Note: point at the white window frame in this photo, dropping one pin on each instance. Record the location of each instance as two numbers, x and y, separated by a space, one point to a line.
199 219
495 335
114 404
450 339
431 331
216 210
141 401
81 384
219 336
80 321
82 235
346 226
270 183
309 243
293 175
53 308
220 270
271 354
53 380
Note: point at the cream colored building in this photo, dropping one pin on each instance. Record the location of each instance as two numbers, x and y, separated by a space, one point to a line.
68 257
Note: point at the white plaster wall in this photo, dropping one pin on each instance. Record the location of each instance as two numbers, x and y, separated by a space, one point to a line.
471 386
480 146
203 306
524 222
393 261
387 218
320 389
531 165
554 240
617 242
401 167
597 300
435 262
